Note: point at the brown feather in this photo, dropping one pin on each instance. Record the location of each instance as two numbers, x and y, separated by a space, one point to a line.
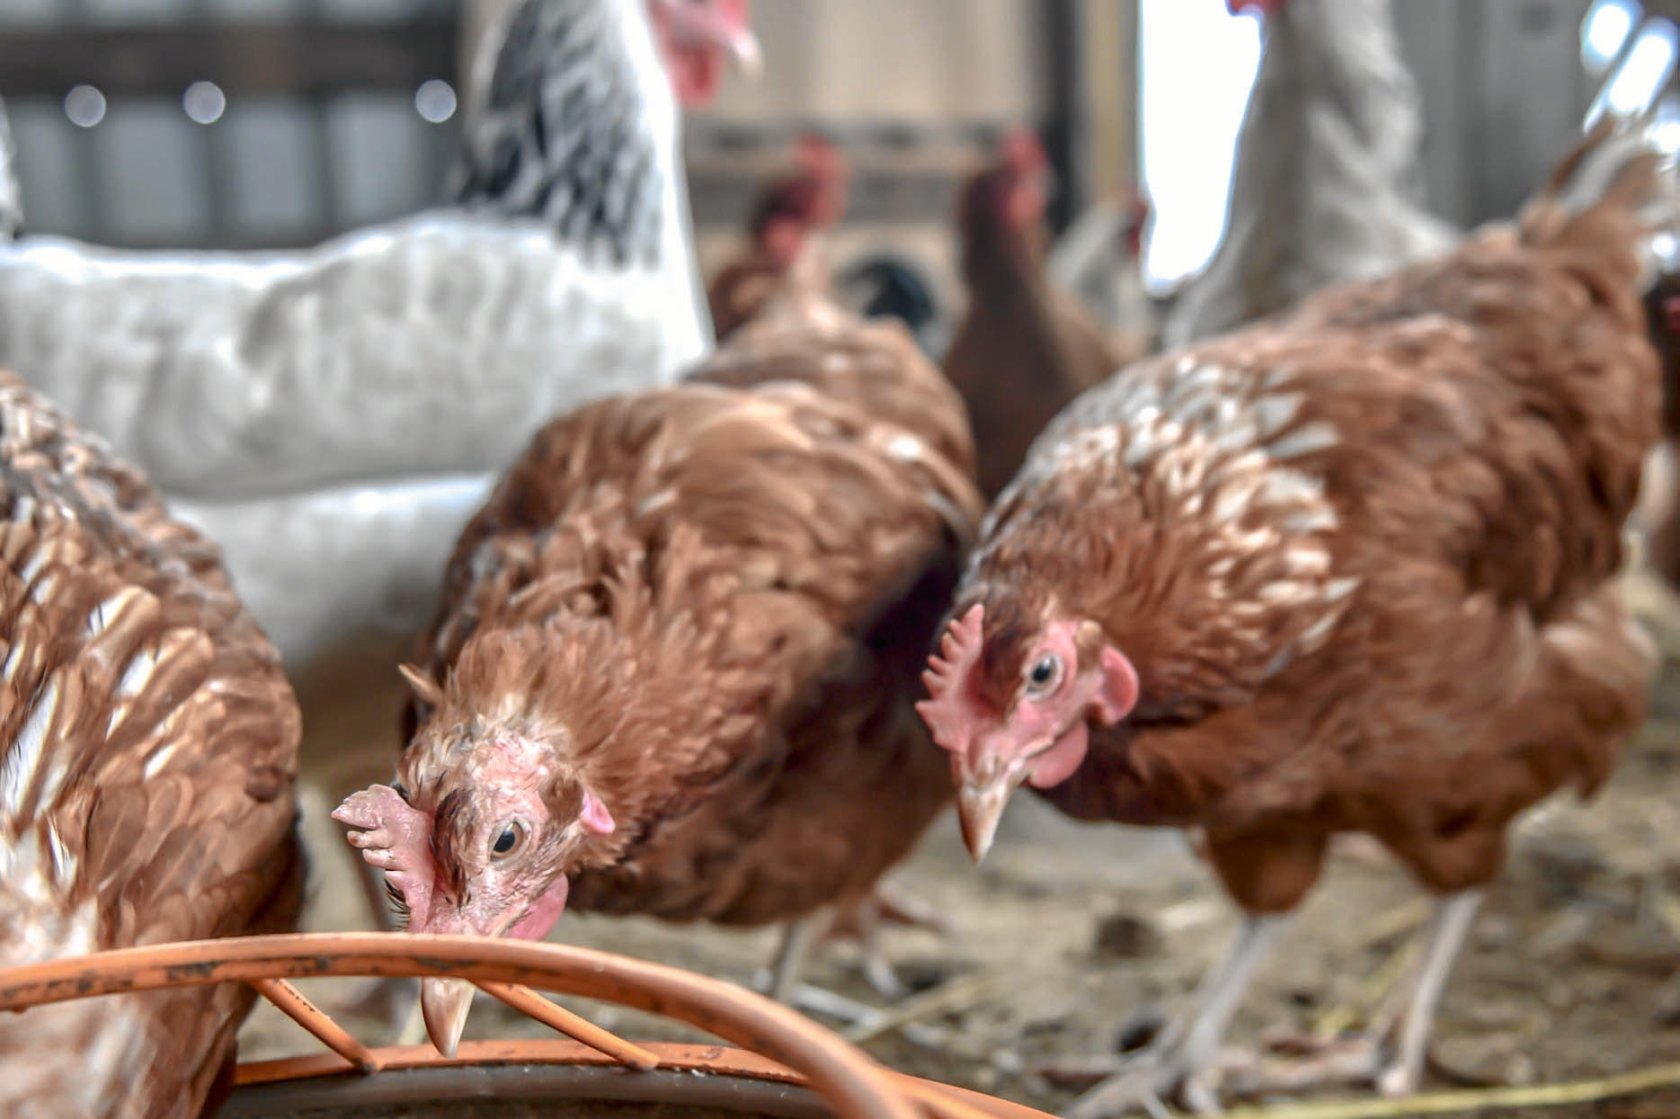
146 787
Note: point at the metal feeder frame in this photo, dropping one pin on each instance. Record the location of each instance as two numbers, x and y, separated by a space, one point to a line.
786 1063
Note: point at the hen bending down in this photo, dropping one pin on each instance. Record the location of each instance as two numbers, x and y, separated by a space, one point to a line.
673 671
149 748
1347 571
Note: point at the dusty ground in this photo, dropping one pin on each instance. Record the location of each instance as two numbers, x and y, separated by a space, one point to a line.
1573 970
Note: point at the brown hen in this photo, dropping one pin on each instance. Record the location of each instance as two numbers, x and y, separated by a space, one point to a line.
146 788
1349 570
674 668
1024 347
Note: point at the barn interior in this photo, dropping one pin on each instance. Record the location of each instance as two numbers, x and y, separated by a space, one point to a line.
267 126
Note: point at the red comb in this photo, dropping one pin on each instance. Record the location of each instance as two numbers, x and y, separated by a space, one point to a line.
1266 7
816 154
1022 150
948 712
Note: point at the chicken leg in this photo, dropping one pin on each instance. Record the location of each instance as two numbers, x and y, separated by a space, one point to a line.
1184 1062
1390 1055
861 921
864 922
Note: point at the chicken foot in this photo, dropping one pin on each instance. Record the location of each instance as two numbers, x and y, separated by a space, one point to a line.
1390 1055
863 922
1187 1060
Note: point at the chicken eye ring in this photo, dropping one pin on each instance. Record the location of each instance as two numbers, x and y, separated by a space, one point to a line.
509 841
1045 675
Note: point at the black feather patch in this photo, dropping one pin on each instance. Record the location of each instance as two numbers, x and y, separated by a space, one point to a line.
563 134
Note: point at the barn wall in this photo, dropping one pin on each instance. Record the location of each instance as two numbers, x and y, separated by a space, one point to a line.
1504 95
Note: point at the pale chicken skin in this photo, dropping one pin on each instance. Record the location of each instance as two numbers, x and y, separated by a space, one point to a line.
1347 570
674 668
150 745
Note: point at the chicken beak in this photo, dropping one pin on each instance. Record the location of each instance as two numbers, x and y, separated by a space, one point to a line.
980 807
742 46
444 1004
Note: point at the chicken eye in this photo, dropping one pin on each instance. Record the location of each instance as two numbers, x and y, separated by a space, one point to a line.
508 840
1045 674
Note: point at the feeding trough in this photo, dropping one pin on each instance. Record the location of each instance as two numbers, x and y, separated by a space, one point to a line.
777 1063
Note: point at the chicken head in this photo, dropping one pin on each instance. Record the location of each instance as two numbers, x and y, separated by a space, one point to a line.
481 849
1026 178
698 39
807 202
1018 711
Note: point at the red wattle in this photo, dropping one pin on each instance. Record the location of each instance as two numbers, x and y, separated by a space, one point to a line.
1058 763
542 915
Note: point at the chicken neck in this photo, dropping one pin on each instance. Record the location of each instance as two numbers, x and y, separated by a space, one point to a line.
567 114
1010 360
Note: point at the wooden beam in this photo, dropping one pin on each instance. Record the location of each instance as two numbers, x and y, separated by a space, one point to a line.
1068 125
308 58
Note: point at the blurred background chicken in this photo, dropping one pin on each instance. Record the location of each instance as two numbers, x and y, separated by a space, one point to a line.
148 745
1099 259
1024 347
785 237
1327 181
1347 571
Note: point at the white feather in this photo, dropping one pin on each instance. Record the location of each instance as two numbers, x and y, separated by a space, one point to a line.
26 752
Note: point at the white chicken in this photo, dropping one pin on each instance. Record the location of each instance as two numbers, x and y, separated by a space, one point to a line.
332 416
430 344
1325 187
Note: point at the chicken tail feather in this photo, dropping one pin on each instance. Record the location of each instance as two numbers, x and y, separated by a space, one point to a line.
1606 198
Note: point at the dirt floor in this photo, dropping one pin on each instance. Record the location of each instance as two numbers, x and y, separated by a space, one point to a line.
1073 939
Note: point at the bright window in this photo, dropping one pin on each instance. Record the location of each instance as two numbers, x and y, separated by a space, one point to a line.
1196 63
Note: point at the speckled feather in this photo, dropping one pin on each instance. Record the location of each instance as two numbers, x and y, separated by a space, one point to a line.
146 782
1361 557
713 599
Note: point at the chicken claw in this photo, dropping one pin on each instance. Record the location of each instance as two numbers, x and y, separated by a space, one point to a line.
1154 1077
